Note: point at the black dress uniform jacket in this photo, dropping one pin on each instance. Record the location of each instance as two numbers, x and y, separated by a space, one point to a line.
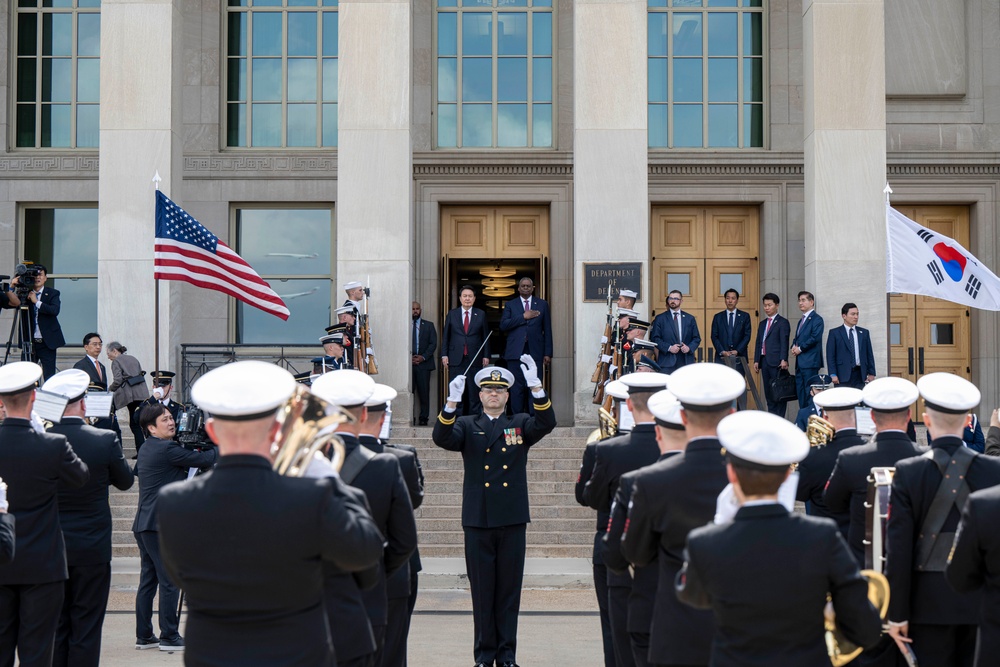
814 472
586 472
615 457
84 512
33 464
975 565
669 500
847 488
256 596
925 597
766 577
495 456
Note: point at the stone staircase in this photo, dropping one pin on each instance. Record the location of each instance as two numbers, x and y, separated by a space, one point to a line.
560 528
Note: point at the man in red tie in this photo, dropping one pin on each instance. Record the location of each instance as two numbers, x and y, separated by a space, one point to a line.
464 331
92 346
528 324
770 355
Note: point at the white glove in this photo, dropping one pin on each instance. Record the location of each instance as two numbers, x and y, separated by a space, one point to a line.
369 351
455 389
3 496
604 339
319 467
605 358
530 371
37 422
726 506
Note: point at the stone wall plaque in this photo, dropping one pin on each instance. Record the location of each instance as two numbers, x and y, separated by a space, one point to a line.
621 275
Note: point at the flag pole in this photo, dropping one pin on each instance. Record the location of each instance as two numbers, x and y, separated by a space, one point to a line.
888 302
156 294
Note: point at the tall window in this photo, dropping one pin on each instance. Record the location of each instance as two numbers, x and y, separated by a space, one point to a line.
281 73
65 241
494 77
58 73
292 250
706 73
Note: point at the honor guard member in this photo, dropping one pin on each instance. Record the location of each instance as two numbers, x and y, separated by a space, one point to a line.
355 291
670 439
974 560
334 358
672 497
380 477
398 586
928 493
635 332
890 399
838 406
495 512
626 299
767 575
34 465
85 517
614 458
163 383
817 384
642 349
257 598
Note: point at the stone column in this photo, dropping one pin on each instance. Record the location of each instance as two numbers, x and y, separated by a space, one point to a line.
610 163
844 53
375 178
140 134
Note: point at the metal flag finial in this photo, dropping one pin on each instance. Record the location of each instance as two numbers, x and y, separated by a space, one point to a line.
887 191
156 180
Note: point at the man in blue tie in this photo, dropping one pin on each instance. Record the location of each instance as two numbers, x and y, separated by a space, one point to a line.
807 347
731 335
849 353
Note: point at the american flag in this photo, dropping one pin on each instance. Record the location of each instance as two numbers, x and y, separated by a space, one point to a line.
186 251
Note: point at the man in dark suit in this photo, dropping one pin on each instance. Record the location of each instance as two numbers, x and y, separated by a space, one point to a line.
463 332
398 585
278 531
424 344
671 440
615 457
770 355
672 497
33 464
85 517
766 575
974 562
381 479
495 512
43 323
160 462
849 354
675 334
98 374
527 322
731 335
890 399
807 346
928 493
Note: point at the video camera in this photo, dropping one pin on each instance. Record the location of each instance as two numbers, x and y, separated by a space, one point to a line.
191 430
26 274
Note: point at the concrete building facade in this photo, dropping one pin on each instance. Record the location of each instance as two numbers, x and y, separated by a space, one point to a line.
419 144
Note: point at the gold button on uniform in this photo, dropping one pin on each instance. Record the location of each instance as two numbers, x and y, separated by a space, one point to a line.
503 449
487 467
505 467
487 485
505 483
487 451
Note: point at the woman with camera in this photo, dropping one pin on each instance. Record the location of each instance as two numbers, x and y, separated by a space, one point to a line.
129 386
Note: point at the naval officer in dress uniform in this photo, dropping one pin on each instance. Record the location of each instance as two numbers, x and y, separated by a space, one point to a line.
928 494
258 600
495 513
766 575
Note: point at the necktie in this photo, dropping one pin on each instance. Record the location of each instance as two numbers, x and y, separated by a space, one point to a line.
416 336
854 346
731 325
527 306
465 349
677 325
801 322
763 343
97 365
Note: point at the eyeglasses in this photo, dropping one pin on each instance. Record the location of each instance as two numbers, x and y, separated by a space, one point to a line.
494 390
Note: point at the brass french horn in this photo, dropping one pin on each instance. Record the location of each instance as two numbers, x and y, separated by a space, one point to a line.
839 648
819 431
307 427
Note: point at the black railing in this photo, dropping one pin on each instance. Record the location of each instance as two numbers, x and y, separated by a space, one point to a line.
199 358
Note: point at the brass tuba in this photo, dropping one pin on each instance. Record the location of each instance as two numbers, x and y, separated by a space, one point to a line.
819 431
840 649
307 423
608 423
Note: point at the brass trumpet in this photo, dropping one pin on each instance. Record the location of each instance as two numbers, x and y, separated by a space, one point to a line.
307 423
819 431
838 647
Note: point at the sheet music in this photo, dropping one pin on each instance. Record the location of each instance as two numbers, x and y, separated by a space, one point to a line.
99 403
49 406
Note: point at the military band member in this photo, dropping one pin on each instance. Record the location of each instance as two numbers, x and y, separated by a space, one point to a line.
85 517
257 601
927 495
670 439
672 497
838 406
7 529
380 477
817 383
615 457
890 399
766 575
34 464
973 564
495 512
398 586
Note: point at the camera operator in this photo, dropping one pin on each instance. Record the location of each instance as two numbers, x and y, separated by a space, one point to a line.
43 322
161 461
8 295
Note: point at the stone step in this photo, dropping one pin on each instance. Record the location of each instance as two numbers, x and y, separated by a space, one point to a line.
565 499
537 512
433 466
532 551
534 537
545 526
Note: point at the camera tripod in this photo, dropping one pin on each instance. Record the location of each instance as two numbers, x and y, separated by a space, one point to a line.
21 324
